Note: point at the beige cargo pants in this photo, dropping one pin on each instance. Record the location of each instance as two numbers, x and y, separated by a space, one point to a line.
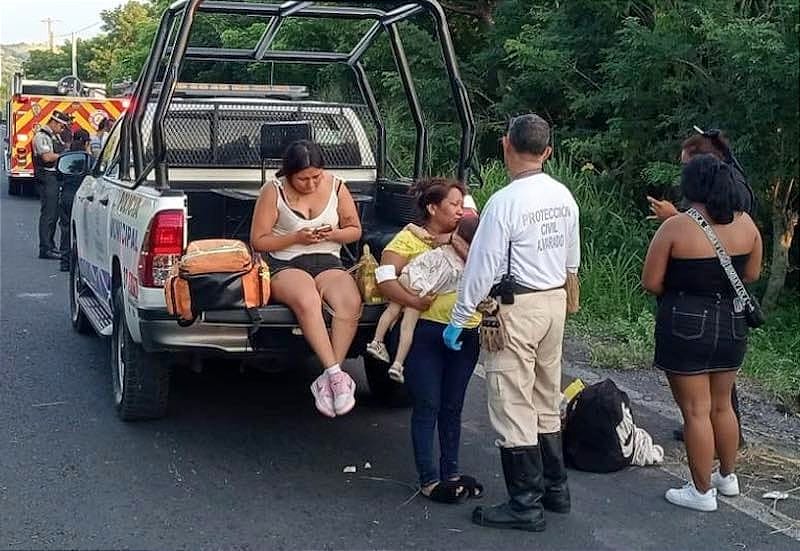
524 379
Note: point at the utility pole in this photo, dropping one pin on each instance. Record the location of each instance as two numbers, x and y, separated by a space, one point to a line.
74 55
49 21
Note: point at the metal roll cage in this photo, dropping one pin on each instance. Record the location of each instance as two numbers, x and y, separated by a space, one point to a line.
170 48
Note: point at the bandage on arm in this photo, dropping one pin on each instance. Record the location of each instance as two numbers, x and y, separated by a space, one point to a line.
385 272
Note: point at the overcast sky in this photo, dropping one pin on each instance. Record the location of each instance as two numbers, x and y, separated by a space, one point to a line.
21 20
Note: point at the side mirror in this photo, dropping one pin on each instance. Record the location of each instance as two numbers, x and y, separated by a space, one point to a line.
74 163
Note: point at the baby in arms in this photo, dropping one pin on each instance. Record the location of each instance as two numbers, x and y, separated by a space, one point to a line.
433 272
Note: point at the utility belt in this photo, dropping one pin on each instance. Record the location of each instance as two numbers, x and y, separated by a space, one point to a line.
516 288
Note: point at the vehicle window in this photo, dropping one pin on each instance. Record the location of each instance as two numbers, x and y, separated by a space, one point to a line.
109 153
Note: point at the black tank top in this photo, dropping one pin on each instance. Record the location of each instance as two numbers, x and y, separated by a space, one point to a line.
701 276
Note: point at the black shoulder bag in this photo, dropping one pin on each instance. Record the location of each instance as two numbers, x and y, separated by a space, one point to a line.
744 301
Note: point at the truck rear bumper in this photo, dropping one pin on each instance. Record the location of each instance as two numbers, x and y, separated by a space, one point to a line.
227 331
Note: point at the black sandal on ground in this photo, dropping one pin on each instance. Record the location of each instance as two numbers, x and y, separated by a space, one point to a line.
474 488
448 491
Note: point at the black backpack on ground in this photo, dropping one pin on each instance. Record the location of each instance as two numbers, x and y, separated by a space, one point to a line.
592 441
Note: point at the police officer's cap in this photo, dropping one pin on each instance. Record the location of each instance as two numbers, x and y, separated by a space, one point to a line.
63 118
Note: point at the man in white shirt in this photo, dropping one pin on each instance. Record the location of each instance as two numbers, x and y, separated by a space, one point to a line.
526 243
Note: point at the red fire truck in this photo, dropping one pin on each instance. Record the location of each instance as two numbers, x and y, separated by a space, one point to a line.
30 106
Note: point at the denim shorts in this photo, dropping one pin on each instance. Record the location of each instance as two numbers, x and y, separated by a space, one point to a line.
312 264
699 334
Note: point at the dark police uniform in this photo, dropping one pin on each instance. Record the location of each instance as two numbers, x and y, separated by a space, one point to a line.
47 141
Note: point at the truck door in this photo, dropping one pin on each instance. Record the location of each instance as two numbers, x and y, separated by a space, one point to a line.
98 207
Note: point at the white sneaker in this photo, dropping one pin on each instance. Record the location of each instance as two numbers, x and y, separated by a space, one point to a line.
323 395
378 350
344 392
726 485
689 497
396 373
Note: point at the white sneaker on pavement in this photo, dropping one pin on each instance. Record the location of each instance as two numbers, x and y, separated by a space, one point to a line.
691 498
344 392
726 485
323 395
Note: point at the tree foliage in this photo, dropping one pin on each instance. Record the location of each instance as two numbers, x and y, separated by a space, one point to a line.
621 81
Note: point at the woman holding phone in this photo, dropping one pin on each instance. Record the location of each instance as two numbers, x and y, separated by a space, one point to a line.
301 220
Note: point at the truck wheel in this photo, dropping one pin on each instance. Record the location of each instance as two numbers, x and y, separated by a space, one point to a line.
140 378
14 186
79 321
385 390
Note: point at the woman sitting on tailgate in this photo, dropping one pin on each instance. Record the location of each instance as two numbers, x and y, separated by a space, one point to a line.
301 220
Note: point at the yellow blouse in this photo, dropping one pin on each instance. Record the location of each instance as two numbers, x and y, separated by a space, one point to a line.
408 245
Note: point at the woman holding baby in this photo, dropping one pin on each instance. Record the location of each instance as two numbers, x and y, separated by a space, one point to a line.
436 377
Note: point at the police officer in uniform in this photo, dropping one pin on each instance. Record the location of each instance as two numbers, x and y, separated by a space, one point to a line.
47 145
526 243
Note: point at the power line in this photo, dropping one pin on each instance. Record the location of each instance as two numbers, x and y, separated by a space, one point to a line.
76 31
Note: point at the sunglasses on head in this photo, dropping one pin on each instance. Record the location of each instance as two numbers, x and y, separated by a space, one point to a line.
713 133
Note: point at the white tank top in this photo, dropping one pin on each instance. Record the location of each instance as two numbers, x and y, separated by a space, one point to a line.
289 221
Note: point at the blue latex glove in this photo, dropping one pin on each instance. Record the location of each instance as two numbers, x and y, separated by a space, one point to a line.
451 335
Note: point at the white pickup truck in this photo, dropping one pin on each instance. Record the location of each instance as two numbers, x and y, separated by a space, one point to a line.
187 162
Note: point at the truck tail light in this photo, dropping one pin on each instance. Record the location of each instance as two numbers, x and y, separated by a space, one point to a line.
162 247
22 138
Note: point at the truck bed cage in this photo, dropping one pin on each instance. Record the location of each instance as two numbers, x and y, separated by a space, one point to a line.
170 48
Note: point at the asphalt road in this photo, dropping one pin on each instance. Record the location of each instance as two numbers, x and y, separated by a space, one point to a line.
243 461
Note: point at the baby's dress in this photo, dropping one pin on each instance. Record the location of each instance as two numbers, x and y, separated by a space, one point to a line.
437 271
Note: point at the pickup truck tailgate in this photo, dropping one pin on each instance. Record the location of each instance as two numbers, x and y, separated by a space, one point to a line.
276 315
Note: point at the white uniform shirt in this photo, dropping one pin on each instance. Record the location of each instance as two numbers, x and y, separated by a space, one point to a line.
43 143
437 271
539 217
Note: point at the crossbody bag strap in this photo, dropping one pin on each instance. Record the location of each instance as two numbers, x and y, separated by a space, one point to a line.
723 256
508 266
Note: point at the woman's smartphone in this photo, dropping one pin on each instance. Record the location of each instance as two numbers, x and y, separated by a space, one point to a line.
325 228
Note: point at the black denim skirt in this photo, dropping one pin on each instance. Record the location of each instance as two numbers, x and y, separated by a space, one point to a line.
313 264
699 334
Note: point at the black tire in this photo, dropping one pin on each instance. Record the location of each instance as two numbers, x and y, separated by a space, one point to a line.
80 323
140 379
384 390
14 186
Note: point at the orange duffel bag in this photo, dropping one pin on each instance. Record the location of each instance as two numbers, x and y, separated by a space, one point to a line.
216 274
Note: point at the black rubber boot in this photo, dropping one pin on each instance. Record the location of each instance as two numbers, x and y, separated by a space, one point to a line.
556 491
522 468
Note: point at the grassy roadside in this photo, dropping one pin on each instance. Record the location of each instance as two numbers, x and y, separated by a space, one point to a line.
616 317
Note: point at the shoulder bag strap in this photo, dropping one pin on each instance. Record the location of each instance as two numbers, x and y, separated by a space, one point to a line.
508 266
722 255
